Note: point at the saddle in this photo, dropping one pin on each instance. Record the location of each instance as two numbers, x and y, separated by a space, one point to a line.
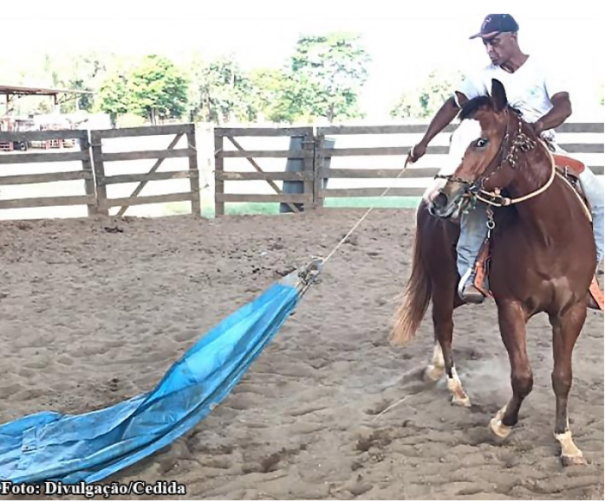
570 169
568 165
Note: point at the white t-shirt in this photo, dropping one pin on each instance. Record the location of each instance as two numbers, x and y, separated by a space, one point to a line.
528 89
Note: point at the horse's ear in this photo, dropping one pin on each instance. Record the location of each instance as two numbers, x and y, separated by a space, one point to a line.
460 99
499 98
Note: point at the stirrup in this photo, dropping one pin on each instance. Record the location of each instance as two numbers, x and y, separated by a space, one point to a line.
596 295
470 294
467 283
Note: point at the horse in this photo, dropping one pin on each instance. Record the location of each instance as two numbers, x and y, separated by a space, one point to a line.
543 257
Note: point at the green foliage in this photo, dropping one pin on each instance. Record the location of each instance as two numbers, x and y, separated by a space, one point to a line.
84 102
158 89
268 98
222 92
326 74
113 96
426 99
85 73
50 68
322 79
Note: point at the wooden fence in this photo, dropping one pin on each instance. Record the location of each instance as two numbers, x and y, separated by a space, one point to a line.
100 159
314 194
306 153
325 156
94 158
400 152
82 156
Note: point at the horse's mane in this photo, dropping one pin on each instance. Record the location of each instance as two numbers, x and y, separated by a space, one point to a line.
472 105
485 101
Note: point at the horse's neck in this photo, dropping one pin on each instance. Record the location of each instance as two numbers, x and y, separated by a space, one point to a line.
544 212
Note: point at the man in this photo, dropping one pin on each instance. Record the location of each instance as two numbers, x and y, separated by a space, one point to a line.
542 101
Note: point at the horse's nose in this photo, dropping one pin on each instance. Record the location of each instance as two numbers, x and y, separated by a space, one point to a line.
440 201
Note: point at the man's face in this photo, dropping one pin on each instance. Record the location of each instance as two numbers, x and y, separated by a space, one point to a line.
500 47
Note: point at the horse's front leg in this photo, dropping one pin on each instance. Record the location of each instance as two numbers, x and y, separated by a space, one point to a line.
566 330
443 323
512 320
434 370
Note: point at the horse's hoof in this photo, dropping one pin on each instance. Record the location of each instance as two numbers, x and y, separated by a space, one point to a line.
569 460
499 429
461 401
433 373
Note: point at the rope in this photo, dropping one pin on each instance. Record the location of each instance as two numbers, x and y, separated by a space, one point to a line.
360 221
310 273
575 192
508 202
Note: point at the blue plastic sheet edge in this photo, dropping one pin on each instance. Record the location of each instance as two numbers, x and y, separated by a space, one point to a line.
92 446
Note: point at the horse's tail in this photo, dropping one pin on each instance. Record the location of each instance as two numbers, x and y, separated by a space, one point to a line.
414 300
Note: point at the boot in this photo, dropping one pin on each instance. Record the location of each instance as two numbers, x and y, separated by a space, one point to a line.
595 291
470 294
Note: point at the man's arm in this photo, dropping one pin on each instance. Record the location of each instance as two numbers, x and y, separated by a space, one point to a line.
559 113
441 120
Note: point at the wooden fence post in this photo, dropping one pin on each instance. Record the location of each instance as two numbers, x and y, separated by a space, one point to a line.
309 165
219 184
196 203
320 141
89 183
97 159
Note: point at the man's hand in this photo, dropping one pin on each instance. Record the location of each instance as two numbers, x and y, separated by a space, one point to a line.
559 113
441 120
416 152
538 127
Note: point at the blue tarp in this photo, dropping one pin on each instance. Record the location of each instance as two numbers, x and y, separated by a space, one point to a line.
92 446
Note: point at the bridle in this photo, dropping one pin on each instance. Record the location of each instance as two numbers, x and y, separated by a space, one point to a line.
508 152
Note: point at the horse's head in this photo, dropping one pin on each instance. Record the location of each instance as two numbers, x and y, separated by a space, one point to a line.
491 138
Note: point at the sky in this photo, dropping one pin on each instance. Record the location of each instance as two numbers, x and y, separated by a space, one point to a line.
406 39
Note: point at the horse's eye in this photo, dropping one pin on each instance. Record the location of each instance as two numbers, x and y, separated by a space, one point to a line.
481 142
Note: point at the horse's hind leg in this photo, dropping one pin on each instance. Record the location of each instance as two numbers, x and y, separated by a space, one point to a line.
566 330
443 323
513 320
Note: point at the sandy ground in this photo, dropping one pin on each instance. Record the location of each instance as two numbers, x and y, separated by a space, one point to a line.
89 317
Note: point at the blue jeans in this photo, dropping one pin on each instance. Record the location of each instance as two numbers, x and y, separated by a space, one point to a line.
593 189
473 226
473 231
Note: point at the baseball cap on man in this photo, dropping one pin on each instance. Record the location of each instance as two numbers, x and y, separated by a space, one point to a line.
497 23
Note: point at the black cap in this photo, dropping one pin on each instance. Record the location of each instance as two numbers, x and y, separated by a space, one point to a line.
497 23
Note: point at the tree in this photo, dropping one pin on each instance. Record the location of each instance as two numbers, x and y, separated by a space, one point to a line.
222 92
83 101
113 96
158 89
425 100
271 95
327 72
50 68
85 73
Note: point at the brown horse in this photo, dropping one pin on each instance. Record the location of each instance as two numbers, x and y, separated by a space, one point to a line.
543 257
